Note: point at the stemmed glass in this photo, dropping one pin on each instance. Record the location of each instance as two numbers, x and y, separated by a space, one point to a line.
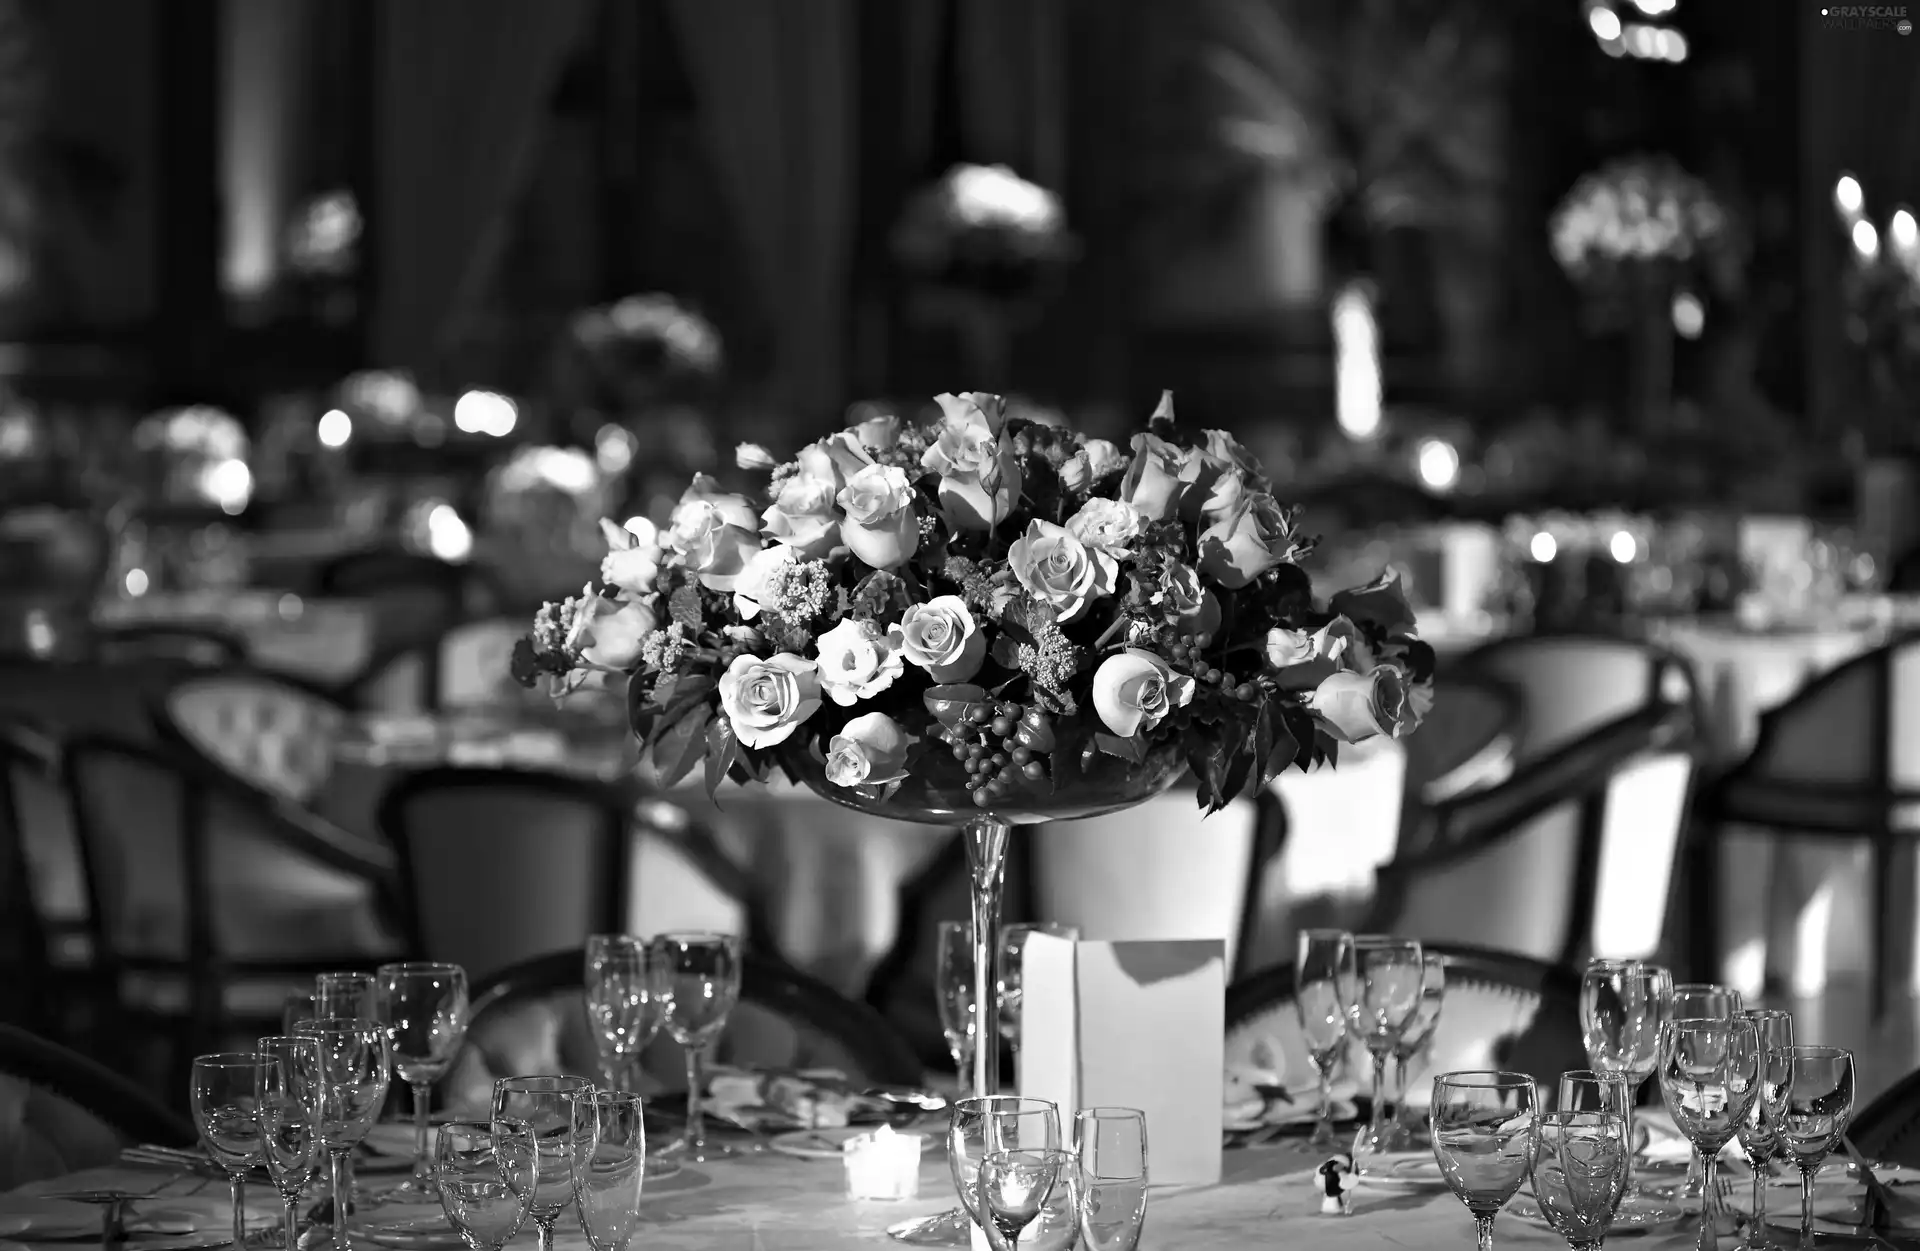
1110 1177
346 996
425 1007
1703 1001
1015 1185
1623 1004
1710 1076
1322 965
1382 999
1414 1041
953 982
225 1095
1485 1130
1013 946
1812 1107
485 1174
607 1179
552 1113
353 1084
1758 1140
702 985
290 1120
1580 1174
626 999
981 1126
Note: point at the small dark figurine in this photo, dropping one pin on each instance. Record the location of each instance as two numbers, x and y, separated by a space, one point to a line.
1333 1181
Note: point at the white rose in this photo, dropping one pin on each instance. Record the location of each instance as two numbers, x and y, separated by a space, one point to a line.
1135 690
858 660
766 700
940 636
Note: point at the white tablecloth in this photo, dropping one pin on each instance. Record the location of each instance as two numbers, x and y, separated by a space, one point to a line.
1742 673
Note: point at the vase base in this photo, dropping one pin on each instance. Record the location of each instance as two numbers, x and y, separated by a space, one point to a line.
952 1228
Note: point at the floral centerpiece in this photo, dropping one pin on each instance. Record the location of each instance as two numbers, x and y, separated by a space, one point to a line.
991 600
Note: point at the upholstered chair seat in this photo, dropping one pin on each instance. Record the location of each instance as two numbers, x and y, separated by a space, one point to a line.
60 1112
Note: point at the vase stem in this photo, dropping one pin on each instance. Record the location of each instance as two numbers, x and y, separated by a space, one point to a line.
985 839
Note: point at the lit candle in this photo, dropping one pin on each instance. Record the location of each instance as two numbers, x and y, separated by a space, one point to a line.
883 1165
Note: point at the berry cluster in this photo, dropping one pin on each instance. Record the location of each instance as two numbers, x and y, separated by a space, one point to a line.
1187 651
1003 747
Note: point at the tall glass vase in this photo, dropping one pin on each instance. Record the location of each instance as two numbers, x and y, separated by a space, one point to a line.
986 839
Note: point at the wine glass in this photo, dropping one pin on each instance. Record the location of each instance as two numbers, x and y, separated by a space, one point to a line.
425 1009
290 1120
1580 1173
1710 1076
300 1006
1322 965
1413 1043
1014 1186
552 1113
346 996
225 1095
1484 1131
953 979
1623 1004
485 1174
1812 1098
1382 999
1705 1001
702 985
979 1126
607 1179
1110 1177
1013 946
353 1085
626 999
1758 1140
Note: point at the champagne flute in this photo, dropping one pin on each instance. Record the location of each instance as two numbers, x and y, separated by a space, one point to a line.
1758 1140
346 996
626 999
1623 1004
1580 1174
1322 966
425 1008
1710 1076
290 1120
1705 1001
1110 1177
1812 1097
702 985
1014 1186
552 1112
1382 1000
225 1095
980 1126
353 1084
1413 1043
1485 1130
953 978
486 1179
607 1180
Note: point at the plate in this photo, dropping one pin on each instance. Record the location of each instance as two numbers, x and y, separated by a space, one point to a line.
816 1144
417 1233
1403 1170
1638 1212
1839 1211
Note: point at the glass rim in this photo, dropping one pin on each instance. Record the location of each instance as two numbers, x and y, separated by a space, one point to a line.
418 966
264 1039
1765 1014
982 1103
1110 1112
231 1059
620 1097
543 1083
342 1025
1484 1079
340 975
1562 1116
1811 1051
489 1127
1593 1075
695 936
1704 988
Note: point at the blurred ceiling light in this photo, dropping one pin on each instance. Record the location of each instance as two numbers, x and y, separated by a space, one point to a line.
1866 240
1903 232
1604 23
136 583
1356 354
447 535
1543 548
1623 547
229 484
1656 8
322 238
390 395
335 428
613 448
1848 196
984 195
1689 315
1439 464
485 412
1670 45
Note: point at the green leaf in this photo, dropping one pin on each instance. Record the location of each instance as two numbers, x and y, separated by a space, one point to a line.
723 750
1132 750
679 749
689 692
1282 749
642 713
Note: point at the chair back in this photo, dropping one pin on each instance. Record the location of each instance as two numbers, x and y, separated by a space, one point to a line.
531 1018
414 597
274 731
204 646
1501 1011
1889 1127
1467 740
1572 684
25 943
61 1112
501 865
468 666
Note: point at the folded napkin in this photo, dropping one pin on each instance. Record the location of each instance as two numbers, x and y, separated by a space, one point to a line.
1665 1144
813 1099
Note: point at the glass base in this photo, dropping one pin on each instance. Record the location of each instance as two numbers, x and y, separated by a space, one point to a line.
659 1168
952 1228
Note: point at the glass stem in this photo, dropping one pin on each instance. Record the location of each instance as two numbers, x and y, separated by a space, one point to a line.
342 1197
1710 1210
1759 1194
1399 1087
1806 1202
1483 1229
239 1189
1326 1096
290 1219
1378 1124
1631 1185
422 1170
696 1115
543 1235
985 840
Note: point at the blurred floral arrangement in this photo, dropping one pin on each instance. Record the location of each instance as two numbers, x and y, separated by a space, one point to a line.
1882 294
547 499
653 332
987 594
983 227
1637 209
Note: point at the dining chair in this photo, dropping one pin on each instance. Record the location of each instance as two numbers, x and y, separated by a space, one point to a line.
1888 1128
1572 684
275 731
414 597
1466 741
1502 1011
61 1112
532 1018
208 898
200 645
1572 856
26 944
467 666
1834 776
499 865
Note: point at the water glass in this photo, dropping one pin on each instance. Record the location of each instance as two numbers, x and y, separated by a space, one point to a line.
290 1120
1623 1005
353 1084
607 1179
425 1009
1413 1045
1580 1174
1322 966
1710 1076
1382 999
299 1008
1812 1098
225 1096
1014 1186
1109 1177
702 985
1758 1140
626 1000
484 1171
1485 1131
953 984
346 996
980 1126
1013 946
550 1109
